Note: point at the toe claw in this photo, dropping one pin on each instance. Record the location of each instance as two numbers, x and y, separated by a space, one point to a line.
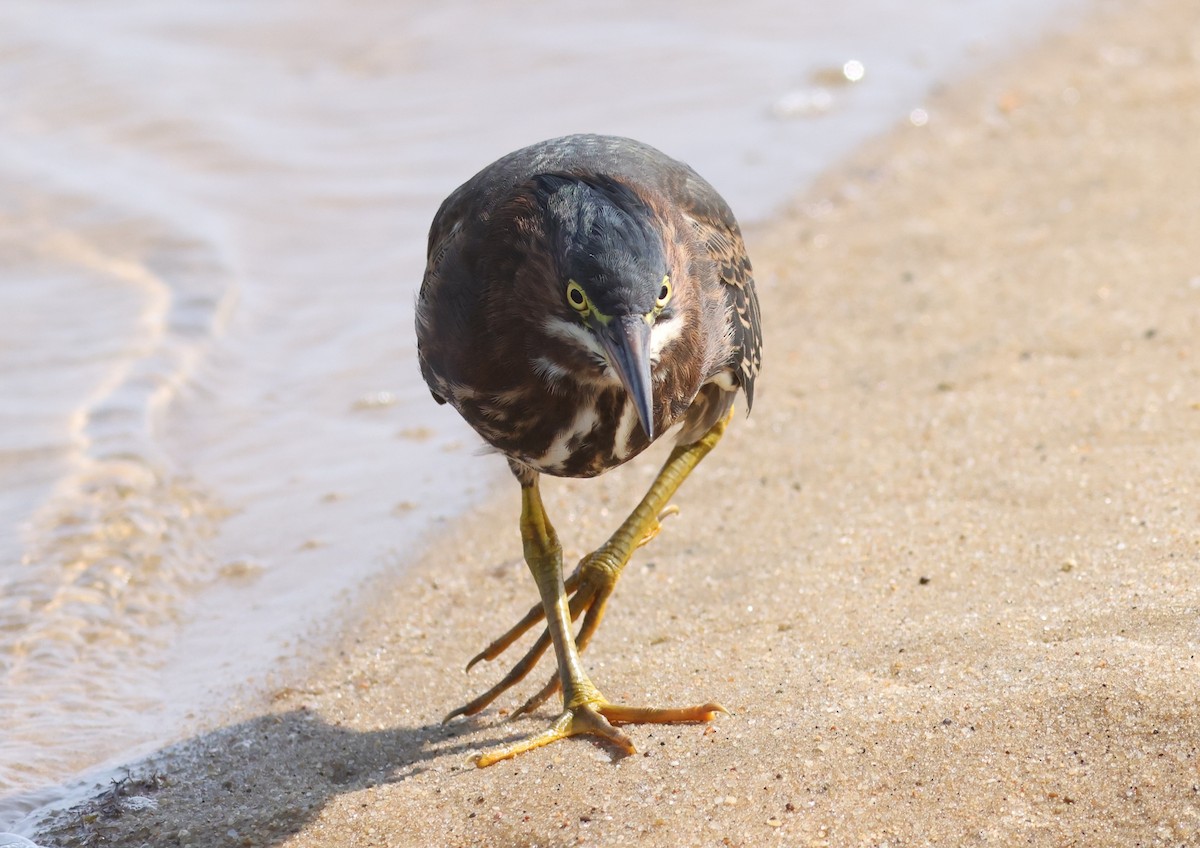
540 697
656 528
505 640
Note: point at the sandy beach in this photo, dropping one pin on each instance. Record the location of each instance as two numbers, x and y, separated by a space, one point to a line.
943 578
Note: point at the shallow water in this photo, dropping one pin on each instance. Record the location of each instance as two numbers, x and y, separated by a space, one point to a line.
212 220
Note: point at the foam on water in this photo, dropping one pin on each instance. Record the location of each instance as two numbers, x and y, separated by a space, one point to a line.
212 222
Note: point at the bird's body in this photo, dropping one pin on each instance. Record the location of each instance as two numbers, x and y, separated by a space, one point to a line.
583 296
544 394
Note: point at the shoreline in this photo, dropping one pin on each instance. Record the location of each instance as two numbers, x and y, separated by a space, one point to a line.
232 432
962 505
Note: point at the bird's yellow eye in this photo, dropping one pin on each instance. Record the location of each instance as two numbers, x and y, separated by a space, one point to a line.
577 297
664 293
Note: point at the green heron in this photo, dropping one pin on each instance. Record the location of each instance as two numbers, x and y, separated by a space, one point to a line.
582 296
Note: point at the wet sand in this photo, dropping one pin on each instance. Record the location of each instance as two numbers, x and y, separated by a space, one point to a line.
943 578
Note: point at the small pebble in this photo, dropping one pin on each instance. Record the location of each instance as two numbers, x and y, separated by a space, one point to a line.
138 804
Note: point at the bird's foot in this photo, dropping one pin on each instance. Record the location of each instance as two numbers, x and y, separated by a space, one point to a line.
599 718
589 587
589 591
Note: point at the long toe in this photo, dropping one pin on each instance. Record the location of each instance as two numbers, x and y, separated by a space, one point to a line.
599 718
515 675
621 714
577 721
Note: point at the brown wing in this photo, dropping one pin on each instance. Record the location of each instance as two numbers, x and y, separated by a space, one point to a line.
716 227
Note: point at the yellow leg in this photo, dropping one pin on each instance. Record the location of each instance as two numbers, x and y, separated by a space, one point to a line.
591 584
585 711
543 554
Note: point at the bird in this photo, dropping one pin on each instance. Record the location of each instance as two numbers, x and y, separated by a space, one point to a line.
583 297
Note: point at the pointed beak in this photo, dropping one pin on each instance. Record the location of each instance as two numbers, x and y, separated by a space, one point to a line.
627 342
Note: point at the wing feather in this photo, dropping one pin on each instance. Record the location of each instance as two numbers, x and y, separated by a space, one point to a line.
718 230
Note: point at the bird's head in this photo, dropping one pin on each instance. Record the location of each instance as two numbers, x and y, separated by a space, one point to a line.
614 278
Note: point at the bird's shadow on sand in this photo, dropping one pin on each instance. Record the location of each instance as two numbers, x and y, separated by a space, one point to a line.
260 781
